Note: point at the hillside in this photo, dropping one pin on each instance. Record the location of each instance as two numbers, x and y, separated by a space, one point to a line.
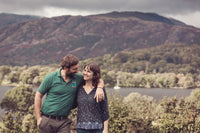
47 40
143 16
8 19
169 58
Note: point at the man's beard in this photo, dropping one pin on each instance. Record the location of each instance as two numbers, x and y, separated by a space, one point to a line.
70 74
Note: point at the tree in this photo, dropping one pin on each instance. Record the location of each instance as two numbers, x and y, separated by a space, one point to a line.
28 75
29 124
12 123
4 70
19 98
108 80
118 112
141 114
186 81
155 58
194 96
14 77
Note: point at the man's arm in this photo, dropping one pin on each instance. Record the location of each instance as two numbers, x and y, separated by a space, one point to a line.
99 95
37 105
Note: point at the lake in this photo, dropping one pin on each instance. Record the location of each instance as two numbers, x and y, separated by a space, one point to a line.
3 90
156 93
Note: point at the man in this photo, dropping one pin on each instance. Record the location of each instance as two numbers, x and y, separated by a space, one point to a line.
60 87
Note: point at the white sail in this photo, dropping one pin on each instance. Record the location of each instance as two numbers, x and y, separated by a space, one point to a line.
117 87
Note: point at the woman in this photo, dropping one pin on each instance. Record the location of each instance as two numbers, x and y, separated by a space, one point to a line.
92 116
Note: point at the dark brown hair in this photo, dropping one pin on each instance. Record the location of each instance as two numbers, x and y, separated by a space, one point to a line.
68 61
94 67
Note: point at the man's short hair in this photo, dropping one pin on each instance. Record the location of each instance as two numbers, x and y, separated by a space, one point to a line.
68 61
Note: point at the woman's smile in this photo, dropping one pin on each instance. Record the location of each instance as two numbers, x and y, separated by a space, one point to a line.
87 74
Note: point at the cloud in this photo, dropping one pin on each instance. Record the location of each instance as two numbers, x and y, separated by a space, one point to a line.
190 18
49 8
160 6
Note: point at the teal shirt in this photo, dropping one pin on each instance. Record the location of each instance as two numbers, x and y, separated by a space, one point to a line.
59 94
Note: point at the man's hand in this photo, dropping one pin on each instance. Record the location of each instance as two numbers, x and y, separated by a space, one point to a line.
39 121
99 95
37 105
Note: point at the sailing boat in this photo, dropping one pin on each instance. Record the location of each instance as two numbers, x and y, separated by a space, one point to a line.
117 87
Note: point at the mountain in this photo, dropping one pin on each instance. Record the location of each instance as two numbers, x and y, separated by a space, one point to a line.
144 16
47 40
8 19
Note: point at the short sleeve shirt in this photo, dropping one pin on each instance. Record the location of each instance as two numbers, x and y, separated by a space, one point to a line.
60 95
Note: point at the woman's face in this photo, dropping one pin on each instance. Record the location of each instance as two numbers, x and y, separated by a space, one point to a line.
87 74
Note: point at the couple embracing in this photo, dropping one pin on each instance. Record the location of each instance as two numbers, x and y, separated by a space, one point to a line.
66 88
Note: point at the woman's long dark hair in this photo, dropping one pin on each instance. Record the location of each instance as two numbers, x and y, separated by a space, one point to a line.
94 67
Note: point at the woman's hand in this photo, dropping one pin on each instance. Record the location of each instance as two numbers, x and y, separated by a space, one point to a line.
105 131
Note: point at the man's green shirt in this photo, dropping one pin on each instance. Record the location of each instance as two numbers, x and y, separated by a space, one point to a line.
59 94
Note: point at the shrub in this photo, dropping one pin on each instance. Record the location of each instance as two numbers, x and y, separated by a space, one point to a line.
19 98
118 113
177 116
142 113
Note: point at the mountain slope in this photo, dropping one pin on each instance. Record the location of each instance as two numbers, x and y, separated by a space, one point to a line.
176 58
143 16
8 19
47 40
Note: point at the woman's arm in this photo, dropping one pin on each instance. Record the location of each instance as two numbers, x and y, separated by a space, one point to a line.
105 112
105 129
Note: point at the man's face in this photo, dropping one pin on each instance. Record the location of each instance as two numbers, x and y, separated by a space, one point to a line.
72 71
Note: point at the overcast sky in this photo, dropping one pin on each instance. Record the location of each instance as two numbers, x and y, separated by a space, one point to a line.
187 11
